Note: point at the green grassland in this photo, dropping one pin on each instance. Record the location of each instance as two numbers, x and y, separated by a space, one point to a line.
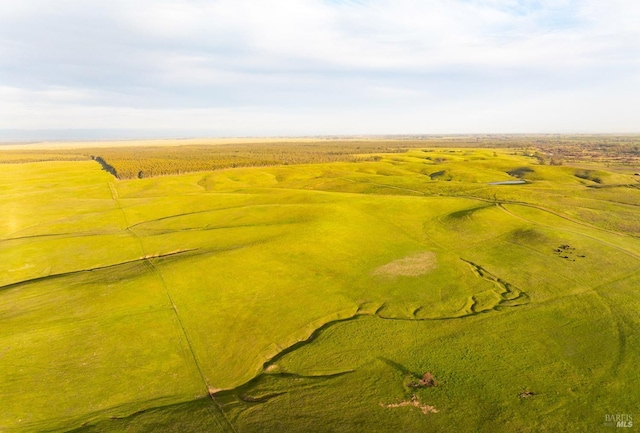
314 297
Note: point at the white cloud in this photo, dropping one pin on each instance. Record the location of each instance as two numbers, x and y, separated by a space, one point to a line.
321 66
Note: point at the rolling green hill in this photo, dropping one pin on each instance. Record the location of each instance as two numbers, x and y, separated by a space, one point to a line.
315 297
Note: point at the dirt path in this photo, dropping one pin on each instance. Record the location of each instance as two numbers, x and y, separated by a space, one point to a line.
610 244
158 273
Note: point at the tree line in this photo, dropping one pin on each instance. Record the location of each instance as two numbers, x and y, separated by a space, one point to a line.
148 161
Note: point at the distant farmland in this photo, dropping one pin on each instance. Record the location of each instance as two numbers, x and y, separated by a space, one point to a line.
357 285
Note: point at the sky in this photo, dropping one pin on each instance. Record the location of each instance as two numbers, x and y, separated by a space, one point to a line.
156 68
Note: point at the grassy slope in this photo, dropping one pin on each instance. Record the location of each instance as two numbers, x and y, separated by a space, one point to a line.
200 279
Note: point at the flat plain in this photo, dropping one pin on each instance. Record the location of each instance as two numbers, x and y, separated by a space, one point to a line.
387 291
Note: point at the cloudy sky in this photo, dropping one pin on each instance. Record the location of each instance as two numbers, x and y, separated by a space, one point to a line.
315 67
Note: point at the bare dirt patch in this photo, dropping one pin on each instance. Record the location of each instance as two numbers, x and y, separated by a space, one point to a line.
410 266
424 408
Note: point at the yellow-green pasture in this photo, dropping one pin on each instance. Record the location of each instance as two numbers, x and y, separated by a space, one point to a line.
312 297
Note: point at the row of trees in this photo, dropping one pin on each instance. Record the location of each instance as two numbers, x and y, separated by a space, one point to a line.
140 162
23 156
147 161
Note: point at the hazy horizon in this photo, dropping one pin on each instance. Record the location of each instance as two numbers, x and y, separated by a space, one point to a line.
71 136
